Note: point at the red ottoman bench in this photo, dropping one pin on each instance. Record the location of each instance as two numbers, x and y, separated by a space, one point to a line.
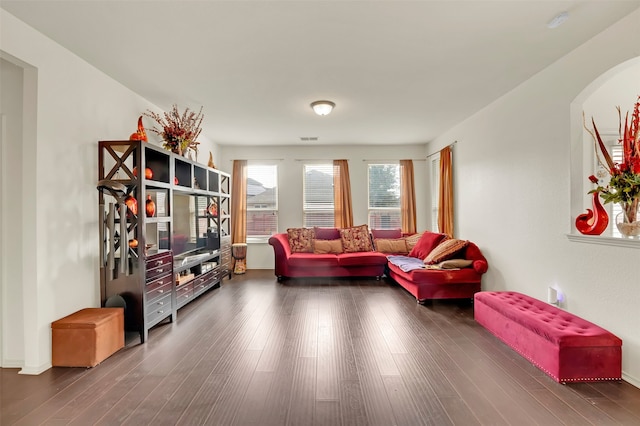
565 346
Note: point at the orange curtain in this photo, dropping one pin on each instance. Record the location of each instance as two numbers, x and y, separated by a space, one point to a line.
407 197
343 211
239 202
445 195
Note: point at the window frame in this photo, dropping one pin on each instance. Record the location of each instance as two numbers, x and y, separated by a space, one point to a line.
393 211
306 209
262 238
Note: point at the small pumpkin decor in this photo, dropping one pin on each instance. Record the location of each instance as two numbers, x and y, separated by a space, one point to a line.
140 134
132 204
148 173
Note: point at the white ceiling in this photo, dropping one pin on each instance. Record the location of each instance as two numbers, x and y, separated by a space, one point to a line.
400 72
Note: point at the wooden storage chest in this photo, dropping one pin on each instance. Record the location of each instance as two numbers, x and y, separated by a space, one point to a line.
87 337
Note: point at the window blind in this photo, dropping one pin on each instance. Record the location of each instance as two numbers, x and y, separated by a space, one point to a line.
318 208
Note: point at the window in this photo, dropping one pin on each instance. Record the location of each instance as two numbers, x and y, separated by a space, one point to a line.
262 200
384 196
317 196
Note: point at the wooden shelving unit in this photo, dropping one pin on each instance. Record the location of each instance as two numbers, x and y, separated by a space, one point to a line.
155 264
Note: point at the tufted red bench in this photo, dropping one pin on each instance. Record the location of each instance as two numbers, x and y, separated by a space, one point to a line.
565 346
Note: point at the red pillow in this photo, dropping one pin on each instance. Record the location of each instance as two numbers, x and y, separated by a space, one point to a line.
386 233
426 243
326 233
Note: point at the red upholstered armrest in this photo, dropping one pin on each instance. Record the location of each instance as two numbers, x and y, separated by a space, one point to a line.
280 243
472 252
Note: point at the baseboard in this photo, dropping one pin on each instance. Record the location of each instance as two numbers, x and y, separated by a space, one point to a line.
631 380
34 371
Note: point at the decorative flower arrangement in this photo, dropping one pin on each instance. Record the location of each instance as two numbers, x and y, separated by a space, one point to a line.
624 182
178 131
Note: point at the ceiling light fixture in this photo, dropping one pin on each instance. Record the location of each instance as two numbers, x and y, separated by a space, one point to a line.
558 20
322 107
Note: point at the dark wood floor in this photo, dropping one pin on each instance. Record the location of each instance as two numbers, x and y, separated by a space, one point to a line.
313 352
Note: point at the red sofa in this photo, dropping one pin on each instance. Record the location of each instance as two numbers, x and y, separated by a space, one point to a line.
290 265
422 283
456 283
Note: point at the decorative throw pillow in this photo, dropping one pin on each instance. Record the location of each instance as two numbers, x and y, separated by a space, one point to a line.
427 242
326 233
356 239
300 240
412 240
386 233
391 245
327 246
455 263
445 250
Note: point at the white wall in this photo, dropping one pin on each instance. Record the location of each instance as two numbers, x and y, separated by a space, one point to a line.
512 169
290 161
74 106
11 82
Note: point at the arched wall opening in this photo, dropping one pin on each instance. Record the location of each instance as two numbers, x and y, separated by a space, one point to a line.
619 86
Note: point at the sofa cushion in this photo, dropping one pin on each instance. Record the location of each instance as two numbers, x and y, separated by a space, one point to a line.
326 233
438 276
386 233
356 239
327 246
427 242
391 245
455 263
447 249
300 240
311 260
362 259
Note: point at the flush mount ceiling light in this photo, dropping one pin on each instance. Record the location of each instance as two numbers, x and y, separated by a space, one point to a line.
558 20
322 107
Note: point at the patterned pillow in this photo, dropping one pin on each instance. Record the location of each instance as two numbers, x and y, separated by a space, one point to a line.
327 246
445 250
391 245
300 240
412 240
356 239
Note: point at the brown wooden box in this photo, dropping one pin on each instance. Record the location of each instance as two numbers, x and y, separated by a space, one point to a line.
87 337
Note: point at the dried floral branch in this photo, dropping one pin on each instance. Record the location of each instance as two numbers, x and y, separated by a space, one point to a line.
178 131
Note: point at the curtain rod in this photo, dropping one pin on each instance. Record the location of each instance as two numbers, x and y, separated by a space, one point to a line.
257 159
317 159
438 152
389 159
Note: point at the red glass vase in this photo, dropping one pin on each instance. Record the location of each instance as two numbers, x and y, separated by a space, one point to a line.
595 221
150 207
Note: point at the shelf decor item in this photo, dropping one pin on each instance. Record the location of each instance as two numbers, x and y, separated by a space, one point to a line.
132 204
150 207
624 178
148 173
595 221
140 134
179 131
